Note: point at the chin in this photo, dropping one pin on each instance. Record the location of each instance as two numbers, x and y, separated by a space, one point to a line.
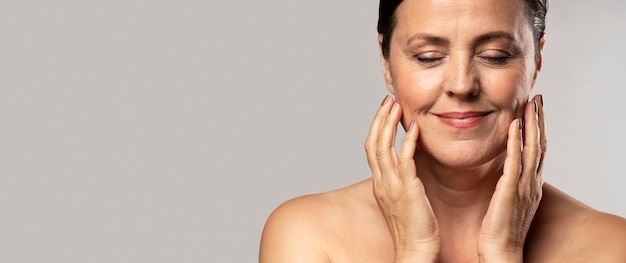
465 155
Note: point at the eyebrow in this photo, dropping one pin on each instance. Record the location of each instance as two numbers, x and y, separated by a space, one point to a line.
480 39
427 38
494 35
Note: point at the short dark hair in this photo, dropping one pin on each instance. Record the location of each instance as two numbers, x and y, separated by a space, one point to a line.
536 12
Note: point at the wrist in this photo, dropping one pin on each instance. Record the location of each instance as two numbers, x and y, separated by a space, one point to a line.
501 258
406 256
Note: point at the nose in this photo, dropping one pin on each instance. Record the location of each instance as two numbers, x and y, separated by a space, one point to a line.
462 78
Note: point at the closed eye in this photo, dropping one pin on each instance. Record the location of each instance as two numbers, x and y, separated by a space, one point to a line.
496 57
496 60
430 58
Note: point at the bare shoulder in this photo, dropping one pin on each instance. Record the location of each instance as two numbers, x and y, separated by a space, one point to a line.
302 229
291 231
565 230
602 237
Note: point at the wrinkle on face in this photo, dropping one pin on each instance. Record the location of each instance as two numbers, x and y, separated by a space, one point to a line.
461 34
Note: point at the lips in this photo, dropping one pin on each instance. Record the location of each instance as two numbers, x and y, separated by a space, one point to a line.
462 120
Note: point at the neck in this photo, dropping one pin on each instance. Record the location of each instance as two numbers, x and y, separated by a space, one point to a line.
460 198
459 194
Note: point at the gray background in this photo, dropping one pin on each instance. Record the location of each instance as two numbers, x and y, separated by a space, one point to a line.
167 131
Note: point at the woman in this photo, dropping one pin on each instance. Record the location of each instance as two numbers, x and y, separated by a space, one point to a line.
466 185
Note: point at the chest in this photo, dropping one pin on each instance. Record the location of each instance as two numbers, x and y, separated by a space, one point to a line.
361 237
367 239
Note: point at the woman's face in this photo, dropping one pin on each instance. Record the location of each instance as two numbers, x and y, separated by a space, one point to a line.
463 71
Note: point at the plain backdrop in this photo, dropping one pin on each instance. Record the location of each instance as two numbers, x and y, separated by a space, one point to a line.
167 131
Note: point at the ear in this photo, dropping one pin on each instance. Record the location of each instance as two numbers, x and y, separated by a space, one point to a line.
539 58
386 67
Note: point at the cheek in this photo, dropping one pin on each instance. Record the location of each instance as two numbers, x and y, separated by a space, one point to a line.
415 87
416 93
508 89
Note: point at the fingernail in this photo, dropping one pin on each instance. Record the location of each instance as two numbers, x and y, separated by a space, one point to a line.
393 107
384 100
536 106
412 125
521 123
541 99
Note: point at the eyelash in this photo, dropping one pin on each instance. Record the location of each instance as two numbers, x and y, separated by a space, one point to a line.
428 60
497 60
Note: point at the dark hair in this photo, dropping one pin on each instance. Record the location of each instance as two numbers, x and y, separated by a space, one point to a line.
536 12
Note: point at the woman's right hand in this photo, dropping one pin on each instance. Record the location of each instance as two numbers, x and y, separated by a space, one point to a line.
398 191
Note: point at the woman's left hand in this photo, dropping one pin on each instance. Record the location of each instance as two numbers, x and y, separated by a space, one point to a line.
519 190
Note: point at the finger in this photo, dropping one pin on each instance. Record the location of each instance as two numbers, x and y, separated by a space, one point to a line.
406 163
371 143
532 150
512 164
505 192
542 143
542 129
386 154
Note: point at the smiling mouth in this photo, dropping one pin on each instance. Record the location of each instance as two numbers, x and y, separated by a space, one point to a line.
462 120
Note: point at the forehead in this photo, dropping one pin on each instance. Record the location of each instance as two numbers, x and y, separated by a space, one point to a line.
462 18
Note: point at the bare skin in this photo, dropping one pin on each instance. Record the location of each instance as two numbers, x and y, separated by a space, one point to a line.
467 184
345 225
